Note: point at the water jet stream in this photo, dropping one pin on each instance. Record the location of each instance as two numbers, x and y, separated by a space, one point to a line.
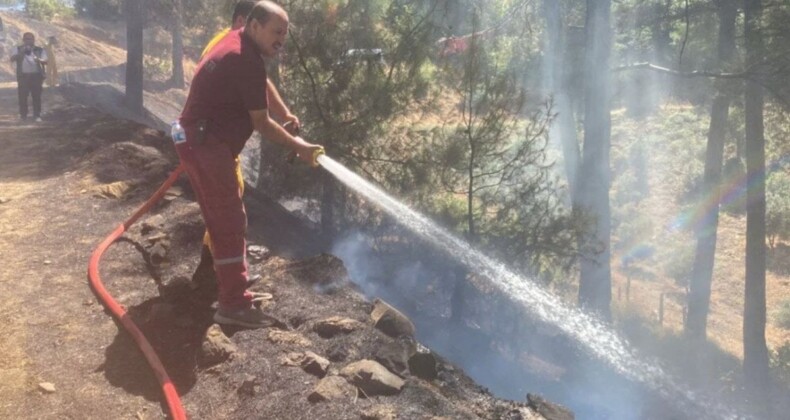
598 339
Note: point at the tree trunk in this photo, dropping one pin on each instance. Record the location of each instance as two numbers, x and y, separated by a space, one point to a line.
134 55
471 235
595 283
178 45
564 127
702 271
755 351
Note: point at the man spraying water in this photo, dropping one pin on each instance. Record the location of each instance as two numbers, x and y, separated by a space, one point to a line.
227 101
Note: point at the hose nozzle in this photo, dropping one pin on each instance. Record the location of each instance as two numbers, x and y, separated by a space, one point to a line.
316 154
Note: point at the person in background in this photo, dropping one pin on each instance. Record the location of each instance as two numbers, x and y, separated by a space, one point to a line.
204 273
30 62
228 100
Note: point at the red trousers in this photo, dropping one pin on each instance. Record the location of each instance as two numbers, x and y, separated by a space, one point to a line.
211 167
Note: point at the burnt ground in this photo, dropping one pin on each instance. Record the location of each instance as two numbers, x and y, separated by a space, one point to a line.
66 183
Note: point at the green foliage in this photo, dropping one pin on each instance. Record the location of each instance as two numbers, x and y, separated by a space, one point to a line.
777 195
678 259
634 230
47 9
100 9
734 186
157 68
780 362
449 210
782 315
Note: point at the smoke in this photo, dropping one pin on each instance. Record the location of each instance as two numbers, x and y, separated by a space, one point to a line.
493 340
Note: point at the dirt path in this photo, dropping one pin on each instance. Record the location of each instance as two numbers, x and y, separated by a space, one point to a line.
52 328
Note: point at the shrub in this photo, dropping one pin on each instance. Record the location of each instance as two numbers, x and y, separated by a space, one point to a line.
780 362
782 315
157 68
47 9
777 196
99 9
679 261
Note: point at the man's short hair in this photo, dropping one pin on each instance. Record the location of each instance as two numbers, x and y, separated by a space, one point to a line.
262 10
28 35
243 9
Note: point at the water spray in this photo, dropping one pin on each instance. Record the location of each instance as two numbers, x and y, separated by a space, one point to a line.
598 339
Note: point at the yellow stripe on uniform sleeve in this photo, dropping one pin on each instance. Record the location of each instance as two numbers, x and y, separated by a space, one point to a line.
214 42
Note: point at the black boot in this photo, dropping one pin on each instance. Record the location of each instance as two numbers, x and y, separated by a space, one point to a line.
205 277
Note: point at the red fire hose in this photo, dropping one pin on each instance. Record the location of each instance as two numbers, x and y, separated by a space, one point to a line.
119 312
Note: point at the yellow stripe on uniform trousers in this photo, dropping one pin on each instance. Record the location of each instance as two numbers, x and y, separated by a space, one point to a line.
240 180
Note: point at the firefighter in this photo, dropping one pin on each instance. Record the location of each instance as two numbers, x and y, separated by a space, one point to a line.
228 100
204 273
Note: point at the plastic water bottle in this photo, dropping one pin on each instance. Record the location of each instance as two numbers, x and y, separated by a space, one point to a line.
177 133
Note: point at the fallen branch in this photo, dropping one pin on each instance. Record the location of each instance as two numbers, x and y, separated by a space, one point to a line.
695 73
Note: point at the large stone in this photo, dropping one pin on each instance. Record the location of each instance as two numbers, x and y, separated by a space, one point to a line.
331 388
422 364
47 387
257 253
249 386
548 409
372 378
395 357
216 347
156 222
390 321
157 253
379 412
175 288
161 311
314 364
330 327
288 338
114 190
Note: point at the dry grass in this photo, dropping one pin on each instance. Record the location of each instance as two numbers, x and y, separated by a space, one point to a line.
726 315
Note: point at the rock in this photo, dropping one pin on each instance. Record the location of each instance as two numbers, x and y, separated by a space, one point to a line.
395 357
288 338
335 325
175 288
249 386
422 364
184 321
47 387
379 412
47 262
292 359
159 237
372 378
548 409
156 222
314 364
157 253
172 194
216 347
161 311
331 388
114 190
390 321
257 253
338 352
4 200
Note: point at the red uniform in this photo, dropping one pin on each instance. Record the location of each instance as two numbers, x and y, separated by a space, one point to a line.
229 82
